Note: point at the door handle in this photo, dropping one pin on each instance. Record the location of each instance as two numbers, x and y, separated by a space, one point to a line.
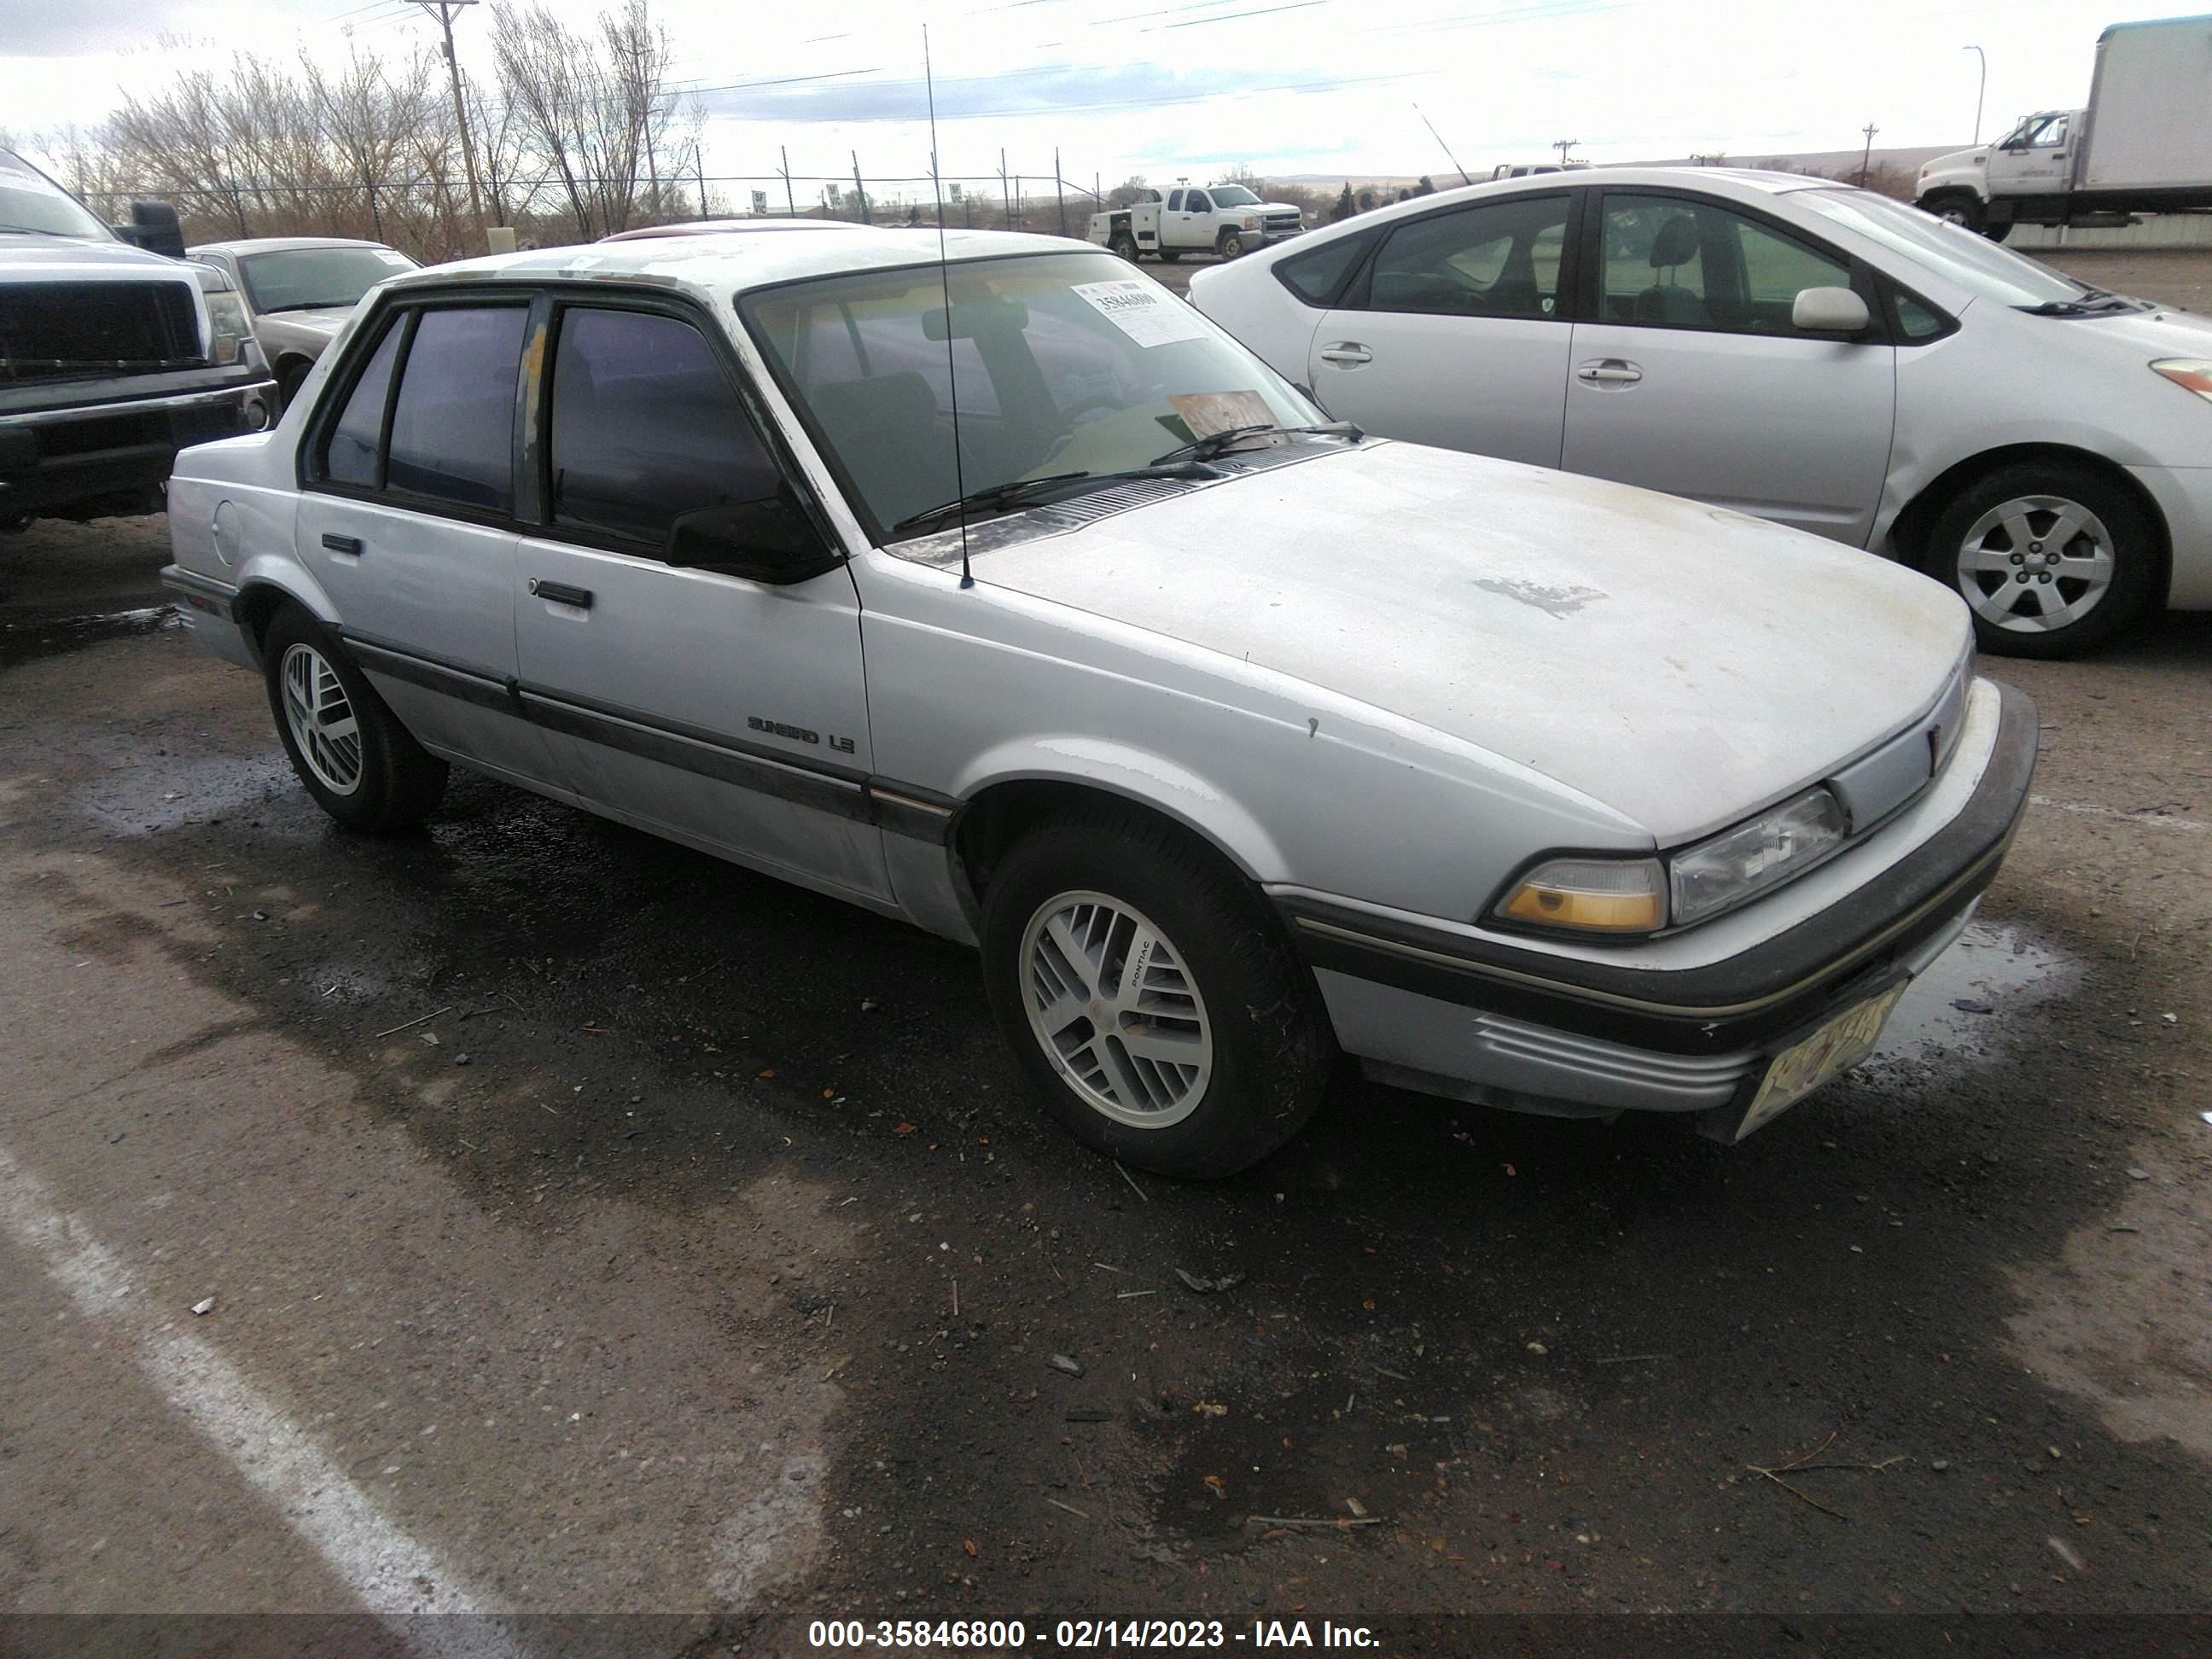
1350 352
1610 373
336 544
561 593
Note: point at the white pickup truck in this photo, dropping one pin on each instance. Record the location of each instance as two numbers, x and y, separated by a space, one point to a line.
1218 219
2142 145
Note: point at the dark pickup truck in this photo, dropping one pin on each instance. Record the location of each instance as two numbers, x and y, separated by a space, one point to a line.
113 357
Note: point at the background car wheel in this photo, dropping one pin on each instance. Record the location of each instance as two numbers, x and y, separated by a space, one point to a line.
1231 245
1150 998
2054 559
1125 245
289 378
1169 256
1957 207
363 767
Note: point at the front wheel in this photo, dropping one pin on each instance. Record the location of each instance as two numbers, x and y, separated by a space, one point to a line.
289 378
1232 244
360 763
2053 559
1957 207
1149 997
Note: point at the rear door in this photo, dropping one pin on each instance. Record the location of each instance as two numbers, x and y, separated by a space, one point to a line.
1457 334
406 521
726 713
1689 377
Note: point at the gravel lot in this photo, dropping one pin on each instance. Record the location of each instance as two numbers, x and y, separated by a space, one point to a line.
592 1227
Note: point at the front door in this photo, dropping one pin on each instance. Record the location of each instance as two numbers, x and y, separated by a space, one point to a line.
723 711
1694 380
1459 338
2035 159
404 524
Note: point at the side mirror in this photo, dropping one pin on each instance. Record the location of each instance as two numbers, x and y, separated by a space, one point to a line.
1829 311
772 540
153 227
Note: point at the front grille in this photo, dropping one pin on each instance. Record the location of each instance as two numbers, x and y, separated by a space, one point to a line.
1282 221
56 331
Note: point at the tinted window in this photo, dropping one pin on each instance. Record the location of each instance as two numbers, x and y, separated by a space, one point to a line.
1175 201
1501 259
452 433
1317 276
646 426
351 457
1198 204
1677 263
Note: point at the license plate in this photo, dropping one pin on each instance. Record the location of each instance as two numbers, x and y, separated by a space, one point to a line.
1837 1047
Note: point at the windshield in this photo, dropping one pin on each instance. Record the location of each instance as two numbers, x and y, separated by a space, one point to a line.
1951 252
303 278
1233 196
29 201
1063 362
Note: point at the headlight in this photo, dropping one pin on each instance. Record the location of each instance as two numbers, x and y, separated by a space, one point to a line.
2189 373
1251 222
226 323
1739 864
1603 896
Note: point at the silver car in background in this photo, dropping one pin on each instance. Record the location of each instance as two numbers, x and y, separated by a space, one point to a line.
1051 620
1781 345
299 291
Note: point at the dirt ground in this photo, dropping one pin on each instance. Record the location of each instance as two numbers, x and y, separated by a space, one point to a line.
591 1227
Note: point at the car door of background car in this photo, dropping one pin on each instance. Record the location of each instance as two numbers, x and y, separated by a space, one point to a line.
2032 159
1457 333
1689 377
724 711
406 521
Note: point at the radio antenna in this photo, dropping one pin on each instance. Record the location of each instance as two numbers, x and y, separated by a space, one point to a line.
1434 134
944 282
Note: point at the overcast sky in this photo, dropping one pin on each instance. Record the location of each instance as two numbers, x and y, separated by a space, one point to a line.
1170 87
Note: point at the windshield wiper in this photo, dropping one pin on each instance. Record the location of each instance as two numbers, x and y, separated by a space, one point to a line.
2094 302
1019 490
1217 443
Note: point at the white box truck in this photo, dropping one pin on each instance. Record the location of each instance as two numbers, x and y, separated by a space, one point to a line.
2142 145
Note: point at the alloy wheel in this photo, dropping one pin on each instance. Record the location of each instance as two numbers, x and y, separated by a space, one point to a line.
321 717
1116 1009
2035 564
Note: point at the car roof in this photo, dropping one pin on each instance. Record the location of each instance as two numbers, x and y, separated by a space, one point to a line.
1747 183
711 267
280 244
716 226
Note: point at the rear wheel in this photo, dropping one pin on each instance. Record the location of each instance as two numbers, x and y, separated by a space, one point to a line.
360 763
1169 256
2053 559
1149 997
1125 245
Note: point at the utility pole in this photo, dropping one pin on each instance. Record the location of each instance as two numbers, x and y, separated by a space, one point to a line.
443 11
699 160
1980 90
860 192
1005 197
785 152
1059 190
1563 146
1866 162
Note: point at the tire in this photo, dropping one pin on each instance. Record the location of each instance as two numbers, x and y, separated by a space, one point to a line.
369 775
1994 543
1169 256
1996 231
1960 207
1125 245
289 378
1246 1012
1231 245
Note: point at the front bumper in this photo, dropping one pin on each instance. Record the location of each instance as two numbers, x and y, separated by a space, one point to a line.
89 459
1438 1009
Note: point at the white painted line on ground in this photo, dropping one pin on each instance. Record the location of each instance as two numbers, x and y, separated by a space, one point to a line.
394 1576
2149 820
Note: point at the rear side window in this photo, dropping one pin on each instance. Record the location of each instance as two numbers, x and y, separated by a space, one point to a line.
1318 276
647 427
452 429
350 457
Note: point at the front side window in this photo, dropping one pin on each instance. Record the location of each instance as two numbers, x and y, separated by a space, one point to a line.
2050 134
1060 363
1677 263
1198 203
453 428
312 278
1501 259
646 427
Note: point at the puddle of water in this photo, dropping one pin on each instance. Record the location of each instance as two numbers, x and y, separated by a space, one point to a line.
168 792
1967 999
32 640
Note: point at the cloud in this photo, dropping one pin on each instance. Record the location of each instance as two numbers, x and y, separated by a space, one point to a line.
39 29
1054 90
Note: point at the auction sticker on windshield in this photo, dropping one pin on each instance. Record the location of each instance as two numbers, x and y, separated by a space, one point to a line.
1148 315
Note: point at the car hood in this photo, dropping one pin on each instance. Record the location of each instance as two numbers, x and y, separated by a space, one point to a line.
32 258
1683 665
